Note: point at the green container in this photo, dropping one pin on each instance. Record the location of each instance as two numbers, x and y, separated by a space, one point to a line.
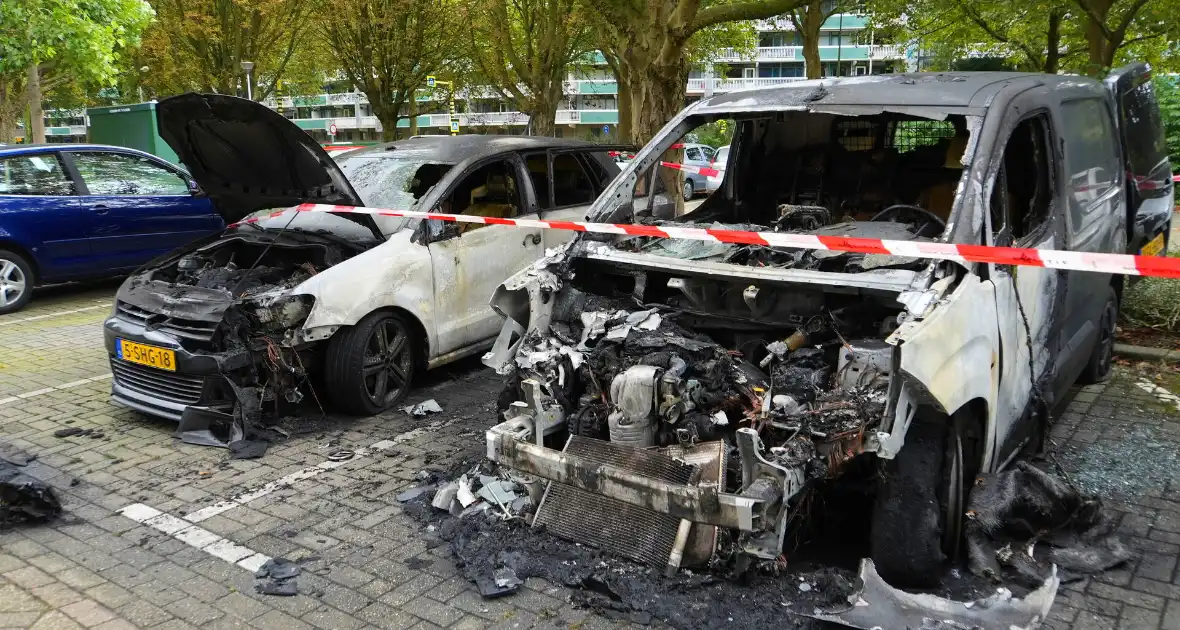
132 126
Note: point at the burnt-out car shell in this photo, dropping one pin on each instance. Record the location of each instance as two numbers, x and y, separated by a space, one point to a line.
937 370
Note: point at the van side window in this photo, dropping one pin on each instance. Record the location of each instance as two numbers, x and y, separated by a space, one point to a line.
1091 156
1022 194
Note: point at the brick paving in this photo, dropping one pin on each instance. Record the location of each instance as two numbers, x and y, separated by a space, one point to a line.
95 568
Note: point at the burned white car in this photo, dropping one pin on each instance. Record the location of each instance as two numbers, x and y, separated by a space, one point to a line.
686 396
339 308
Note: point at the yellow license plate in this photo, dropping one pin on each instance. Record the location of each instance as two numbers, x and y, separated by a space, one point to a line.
152 356
1154 247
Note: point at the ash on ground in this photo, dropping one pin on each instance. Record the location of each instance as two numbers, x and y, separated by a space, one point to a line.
485 541
484 516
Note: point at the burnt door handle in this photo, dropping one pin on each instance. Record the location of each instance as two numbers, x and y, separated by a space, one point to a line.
100 209
535 238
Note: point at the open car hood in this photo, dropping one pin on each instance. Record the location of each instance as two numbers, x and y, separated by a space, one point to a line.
248 157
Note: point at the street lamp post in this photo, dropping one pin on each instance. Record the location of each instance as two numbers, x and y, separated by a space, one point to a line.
248 66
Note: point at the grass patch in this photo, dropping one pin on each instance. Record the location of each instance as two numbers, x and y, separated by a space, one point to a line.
1153 303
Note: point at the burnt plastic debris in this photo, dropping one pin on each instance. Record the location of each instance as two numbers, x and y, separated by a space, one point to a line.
93 434
24 498
1027 521
277 577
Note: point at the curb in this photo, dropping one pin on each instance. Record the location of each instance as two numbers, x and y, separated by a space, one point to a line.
1144 353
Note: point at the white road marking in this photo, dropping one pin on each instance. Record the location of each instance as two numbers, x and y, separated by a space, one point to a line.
10 322
39 392
1162 394
307 473
194 536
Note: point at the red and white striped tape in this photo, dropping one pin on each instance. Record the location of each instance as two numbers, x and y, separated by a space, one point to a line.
1050 258
699 170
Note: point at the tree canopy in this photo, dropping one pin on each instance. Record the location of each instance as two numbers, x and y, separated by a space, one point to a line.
46 45
1083 36
387 48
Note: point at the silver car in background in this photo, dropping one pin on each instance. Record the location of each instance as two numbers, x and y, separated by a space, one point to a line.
713 182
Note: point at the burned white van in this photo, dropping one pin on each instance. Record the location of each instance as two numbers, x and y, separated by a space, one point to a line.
678 390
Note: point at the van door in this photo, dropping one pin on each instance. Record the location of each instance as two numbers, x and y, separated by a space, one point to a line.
1025 211
1150 191
1096 201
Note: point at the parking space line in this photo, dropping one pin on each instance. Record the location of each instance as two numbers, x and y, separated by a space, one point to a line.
47 390
194 536
1160 393
10 322
287 481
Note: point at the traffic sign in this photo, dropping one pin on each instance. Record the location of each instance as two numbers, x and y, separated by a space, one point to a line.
430 81
332 129
606 129
454 126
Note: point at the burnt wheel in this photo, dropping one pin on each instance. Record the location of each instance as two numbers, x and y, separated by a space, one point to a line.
918 518
371 366
1101 363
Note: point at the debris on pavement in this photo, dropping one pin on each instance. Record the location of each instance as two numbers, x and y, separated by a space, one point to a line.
423 408
877 605
277 577
1036 524
22 497
14 455
94 434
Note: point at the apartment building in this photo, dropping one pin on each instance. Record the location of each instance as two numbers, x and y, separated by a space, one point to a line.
590 108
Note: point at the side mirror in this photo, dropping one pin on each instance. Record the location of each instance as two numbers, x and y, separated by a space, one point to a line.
441 230
193 187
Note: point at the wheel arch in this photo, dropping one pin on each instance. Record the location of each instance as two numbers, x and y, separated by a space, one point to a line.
24 252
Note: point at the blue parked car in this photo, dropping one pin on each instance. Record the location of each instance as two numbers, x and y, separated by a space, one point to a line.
74 212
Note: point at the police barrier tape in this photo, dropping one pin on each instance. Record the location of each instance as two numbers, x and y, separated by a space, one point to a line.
1050 258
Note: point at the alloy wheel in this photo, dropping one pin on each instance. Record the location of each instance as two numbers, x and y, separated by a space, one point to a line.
388 363
13 283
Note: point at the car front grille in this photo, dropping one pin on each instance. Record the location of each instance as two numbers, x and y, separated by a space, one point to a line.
170 386
184 328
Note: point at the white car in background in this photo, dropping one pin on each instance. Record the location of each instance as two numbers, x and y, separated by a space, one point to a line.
713 182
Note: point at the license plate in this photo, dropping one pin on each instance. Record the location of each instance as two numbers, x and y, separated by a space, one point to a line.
1154 247
160 358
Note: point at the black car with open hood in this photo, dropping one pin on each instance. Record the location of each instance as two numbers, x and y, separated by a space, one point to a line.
248 157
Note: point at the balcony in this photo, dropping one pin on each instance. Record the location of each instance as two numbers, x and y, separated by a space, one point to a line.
826 53
697 86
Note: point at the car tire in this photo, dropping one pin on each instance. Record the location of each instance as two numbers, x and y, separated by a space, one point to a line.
688 190
16 282
908 519
370 367
1101 363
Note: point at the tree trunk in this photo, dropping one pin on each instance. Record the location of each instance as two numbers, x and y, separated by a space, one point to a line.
12 101
657 94
1096 40
623 132
388 118
543 121
36 133
413 115
1053 45
813 21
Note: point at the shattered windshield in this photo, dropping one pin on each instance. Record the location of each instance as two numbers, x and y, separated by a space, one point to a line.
382 182
881 176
